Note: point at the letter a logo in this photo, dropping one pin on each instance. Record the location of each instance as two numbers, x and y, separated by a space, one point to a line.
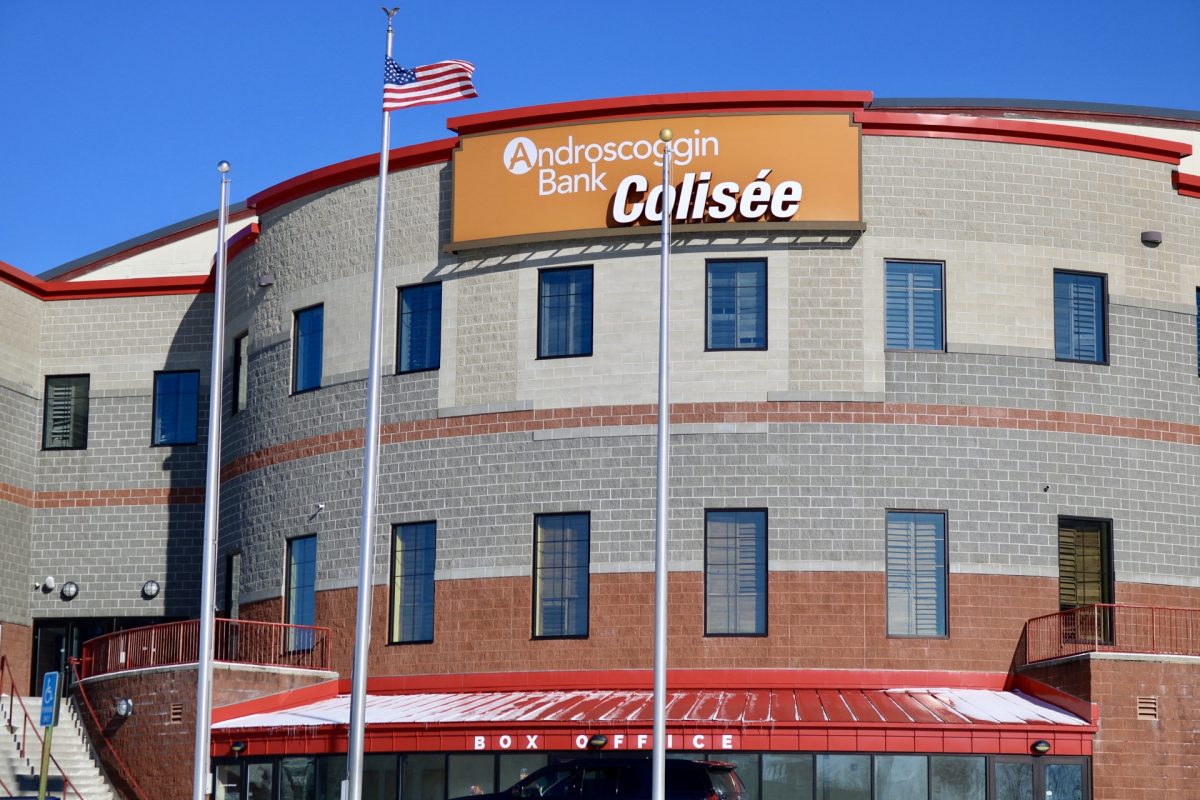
520 155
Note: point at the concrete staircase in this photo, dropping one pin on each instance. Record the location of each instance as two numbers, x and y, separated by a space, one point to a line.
69 746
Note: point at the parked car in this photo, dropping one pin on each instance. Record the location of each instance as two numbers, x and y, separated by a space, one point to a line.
620 778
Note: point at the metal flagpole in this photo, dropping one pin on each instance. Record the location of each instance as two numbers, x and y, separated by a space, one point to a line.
366 535
659 761
212 503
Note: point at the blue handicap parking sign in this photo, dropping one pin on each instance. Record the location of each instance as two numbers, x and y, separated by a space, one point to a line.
49 700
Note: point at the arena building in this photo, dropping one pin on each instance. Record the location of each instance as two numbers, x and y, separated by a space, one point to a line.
933 477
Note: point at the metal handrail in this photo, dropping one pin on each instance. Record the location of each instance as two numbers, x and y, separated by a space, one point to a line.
28 724
270 644
122 768
1113 628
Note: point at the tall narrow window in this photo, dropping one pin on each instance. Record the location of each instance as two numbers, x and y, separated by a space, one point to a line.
565 312
308 335
1079 317
737 305
560 568
414 550
176 402
916 574
735 573
419 335
1198 331
301 599
65 416
241 365
1084 562
915 306
233 582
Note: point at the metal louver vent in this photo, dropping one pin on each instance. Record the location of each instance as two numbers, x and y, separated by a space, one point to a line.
176 712
1147 708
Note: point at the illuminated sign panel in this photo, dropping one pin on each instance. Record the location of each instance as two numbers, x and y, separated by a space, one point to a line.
781 170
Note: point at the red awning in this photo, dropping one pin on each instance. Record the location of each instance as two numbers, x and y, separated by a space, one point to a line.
783 718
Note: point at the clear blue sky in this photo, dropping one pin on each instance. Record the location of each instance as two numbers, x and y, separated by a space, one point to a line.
115 114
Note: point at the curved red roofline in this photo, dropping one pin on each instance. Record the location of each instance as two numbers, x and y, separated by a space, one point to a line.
988 129
417 155
1187 185
655 104
91 290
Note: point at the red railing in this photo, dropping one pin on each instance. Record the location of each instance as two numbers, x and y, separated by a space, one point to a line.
268 644
28 724
133 790
1110 628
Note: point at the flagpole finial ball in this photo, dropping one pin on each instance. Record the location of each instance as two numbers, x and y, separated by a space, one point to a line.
223 167
665 134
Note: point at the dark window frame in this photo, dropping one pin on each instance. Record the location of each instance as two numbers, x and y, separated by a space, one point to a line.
154 408
945 515
591 270
765 312
400 327
1104 334
237 382
46 411
296 349
766 568
533 622
299 641
391 640
232 590
942 291
1108 570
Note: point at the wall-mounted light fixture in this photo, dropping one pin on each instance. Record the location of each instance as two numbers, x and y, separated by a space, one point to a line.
237 747
150 589
49 584
124 707
264 280
69 590
597 742
1152 238
1040 747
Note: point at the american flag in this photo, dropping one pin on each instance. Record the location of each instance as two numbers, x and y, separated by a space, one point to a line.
433 83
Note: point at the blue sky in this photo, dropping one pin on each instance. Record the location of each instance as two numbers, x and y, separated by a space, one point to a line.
115 114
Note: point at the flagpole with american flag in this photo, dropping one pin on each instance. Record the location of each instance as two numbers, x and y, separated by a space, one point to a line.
403 87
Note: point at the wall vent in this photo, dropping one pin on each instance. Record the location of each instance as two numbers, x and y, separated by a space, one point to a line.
177 711
1147 708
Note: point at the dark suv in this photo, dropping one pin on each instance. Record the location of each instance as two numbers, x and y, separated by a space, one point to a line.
626 779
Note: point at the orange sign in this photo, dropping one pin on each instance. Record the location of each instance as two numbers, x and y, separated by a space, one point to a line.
783 170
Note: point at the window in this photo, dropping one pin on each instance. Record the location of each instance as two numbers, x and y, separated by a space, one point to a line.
736 295
1079 317
241 364
1084 562
560 569
414 549
176 398
233 583
1198 331
307 344
65 417
565 312
735 573
301 590
916 573
915 306
419 335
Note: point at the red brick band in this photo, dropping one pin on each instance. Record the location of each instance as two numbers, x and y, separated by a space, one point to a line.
792 413
92 498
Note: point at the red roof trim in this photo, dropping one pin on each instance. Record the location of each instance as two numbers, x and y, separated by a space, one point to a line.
91 290
642 105
241 241
417 155
1057 697
276 702
890 123
175 236
1186 185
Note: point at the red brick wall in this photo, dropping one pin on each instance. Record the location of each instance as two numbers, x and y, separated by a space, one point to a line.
16 645
156 751
1137 759
817 620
